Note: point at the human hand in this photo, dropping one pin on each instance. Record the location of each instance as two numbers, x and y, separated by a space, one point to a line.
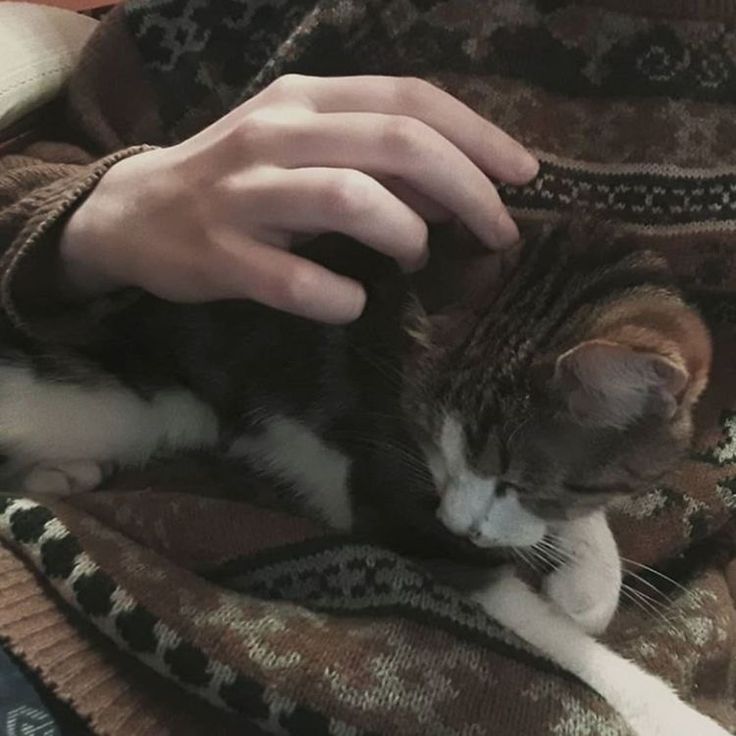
214 216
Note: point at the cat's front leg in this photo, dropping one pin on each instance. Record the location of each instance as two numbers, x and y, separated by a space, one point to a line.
646 703
587 585
60 436
66 477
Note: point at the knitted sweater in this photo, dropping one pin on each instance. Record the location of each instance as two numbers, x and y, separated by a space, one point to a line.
165 605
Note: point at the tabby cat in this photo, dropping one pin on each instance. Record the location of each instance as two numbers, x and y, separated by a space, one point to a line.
499 424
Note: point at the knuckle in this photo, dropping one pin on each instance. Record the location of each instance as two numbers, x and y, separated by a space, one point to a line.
346 195
268 131
287 85
252 134
410 92
402 136
261 134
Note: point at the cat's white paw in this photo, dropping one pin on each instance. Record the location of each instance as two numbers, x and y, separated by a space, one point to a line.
587 587
65 478
672 717
588 600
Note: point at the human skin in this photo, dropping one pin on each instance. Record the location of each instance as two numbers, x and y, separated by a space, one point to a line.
214 217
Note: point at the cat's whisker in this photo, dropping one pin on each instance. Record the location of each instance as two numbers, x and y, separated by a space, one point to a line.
553 546
649 607
379 443
639 578
530 554
559 554
657 573
639 595
552 542
548 560
555 541
629 596
377 414
524 557
388 370
646 609
667 608
414 463
516 431
547 556
523 554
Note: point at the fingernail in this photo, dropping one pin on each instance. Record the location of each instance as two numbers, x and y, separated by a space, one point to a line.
416 263
528 166
506 231
349 304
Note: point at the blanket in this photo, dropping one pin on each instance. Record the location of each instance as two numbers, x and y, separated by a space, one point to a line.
172 602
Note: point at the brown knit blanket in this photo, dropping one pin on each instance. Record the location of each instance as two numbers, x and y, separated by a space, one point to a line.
173 605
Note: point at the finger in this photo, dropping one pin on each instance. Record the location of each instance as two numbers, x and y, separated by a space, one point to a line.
283 281
316 200
400 147
425 207
491 148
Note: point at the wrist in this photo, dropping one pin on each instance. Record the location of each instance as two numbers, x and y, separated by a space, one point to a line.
80 276
95 238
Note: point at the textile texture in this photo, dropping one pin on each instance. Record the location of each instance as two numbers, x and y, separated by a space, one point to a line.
176 586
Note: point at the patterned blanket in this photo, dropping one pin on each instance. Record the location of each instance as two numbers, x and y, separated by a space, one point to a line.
172 603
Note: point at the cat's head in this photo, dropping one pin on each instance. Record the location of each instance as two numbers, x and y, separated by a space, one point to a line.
575 386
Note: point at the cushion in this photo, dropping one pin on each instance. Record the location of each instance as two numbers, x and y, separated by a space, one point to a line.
39 46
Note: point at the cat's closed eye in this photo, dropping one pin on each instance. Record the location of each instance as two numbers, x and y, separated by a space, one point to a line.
493 460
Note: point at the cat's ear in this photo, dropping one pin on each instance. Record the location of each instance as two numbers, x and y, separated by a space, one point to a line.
608 384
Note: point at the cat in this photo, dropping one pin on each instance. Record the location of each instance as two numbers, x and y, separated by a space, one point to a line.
468 433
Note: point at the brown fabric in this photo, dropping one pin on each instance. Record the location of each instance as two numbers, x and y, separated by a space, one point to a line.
39 190
274 619
110 112
110 105
605 130
117 694
718 10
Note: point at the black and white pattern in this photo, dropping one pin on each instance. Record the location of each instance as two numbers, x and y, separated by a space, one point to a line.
654 197
342 577
238 38
84 585
203 55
